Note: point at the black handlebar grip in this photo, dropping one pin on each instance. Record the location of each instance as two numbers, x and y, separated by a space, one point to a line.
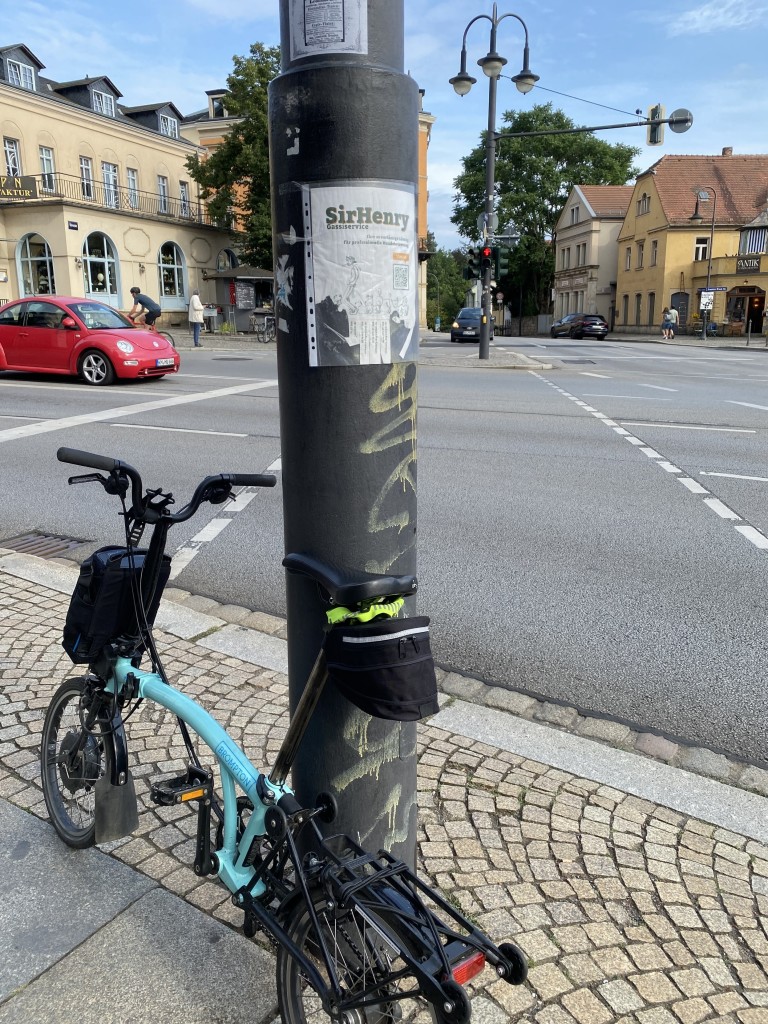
252 479
78 458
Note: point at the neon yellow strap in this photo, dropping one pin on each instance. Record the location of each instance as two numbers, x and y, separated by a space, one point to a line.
366 613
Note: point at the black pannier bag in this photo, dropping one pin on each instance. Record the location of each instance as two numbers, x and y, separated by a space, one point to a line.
102 606
385 668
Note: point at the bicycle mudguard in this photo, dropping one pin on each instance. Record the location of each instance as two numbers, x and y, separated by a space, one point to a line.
116 812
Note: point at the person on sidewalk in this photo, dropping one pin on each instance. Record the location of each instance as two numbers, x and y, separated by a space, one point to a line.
674 319
196 316
666 323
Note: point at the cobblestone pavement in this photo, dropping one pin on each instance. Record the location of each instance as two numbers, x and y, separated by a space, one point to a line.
628 911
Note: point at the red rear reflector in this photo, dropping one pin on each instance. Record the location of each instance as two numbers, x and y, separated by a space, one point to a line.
469 968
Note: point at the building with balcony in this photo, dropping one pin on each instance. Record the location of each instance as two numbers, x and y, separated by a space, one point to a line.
96 196
696 223
586 249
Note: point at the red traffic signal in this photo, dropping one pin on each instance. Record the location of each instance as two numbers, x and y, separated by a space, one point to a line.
486 262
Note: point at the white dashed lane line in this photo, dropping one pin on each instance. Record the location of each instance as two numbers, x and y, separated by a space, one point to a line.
751 533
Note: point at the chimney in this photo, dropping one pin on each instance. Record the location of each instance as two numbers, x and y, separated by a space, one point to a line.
727 150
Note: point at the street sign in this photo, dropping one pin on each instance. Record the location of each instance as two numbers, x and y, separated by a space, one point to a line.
707 300
680 120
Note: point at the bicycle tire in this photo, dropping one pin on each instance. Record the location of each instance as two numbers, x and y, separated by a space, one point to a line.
168 337
362 958
68 786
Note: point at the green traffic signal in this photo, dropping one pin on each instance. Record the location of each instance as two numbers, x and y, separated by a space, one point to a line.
500 262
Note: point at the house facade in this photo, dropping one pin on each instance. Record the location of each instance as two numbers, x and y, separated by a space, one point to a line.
96 195
695 224
586 250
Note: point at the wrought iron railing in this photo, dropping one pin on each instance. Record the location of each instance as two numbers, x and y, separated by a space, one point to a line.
85 191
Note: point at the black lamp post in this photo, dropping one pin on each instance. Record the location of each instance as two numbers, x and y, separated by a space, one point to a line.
702 193
492 65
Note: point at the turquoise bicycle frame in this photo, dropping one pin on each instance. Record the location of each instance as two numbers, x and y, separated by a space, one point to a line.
234 769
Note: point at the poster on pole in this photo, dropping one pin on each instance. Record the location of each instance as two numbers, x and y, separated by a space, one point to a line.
320 27
362 269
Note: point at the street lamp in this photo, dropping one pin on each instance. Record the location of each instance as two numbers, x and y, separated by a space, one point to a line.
702 193
525 80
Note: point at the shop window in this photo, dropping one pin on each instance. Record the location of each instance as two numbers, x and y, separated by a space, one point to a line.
100 267
36 266
226 260
171 271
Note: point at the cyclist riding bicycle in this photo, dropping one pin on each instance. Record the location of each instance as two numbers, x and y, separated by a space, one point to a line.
143 307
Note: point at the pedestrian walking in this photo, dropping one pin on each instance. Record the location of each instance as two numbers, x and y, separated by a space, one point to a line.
674 319
666 323
196 317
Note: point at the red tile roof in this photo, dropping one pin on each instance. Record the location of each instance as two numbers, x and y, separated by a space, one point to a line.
608 200
740 183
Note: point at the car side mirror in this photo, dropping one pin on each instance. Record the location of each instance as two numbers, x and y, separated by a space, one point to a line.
69 322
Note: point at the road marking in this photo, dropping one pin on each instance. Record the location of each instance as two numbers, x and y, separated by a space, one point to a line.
670 467
121 389
210 530
177 430
602 376
651 453
638 398
749 405
757 538
686 426
721 509
276 467
68 422
737 476
634 440
656 387
33 419
693 485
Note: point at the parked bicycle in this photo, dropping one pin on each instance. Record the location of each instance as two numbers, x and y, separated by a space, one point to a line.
263 327
359 937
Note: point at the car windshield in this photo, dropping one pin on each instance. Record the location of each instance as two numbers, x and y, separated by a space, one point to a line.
470 313
98 317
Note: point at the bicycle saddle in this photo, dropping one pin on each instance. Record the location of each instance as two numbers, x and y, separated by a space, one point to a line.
349 586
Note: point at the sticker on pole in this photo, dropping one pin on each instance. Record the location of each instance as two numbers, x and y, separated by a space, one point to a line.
328 26
361 273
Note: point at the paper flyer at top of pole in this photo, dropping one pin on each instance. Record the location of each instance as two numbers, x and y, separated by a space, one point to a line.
361 267
328 26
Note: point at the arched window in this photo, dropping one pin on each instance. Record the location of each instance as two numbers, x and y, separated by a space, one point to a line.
100 268
35 266
226 260
171 272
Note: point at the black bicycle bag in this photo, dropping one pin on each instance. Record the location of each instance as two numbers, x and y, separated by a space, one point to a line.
102 607
385 668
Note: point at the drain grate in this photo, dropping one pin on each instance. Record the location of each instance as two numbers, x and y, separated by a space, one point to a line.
45 545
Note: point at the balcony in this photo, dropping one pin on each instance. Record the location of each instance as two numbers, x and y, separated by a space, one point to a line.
64 188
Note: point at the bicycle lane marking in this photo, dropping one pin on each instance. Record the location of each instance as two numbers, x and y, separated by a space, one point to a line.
66 422
751 533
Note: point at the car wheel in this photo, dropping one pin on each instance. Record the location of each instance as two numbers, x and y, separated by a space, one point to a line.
552 332
95 368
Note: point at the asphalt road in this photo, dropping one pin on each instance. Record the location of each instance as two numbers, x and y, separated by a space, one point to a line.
593 534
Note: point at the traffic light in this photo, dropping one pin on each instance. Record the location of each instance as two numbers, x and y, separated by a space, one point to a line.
655 134
486 259
472 269
500 262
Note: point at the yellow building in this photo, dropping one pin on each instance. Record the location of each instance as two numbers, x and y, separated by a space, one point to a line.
425 130
696 223
104 200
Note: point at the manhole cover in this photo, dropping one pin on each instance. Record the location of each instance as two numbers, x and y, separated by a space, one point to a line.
46 545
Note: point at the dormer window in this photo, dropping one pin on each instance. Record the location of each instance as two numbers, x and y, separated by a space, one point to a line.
216 106
169 126
21 74
103 103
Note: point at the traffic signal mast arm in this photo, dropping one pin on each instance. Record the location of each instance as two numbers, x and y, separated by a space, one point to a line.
678 121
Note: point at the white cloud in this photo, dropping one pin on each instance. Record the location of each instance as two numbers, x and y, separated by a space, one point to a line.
718 16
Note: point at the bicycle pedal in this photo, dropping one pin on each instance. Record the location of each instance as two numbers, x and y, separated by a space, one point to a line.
194 784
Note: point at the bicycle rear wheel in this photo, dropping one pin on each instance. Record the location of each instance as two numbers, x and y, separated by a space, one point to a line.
72 760
364 962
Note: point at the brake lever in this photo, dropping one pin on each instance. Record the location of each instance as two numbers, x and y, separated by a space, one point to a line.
88 478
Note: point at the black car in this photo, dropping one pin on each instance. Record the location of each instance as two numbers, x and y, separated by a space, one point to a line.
579 325
466 326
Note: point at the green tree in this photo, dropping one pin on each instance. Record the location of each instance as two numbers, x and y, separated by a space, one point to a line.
534 177
236 175
444 281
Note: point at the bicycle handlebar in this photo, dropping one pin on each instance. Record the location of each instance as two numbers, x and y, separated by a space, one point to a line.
78 458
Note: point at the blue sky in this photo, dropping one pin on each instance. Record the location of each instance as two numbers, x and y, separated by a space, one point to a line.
707 56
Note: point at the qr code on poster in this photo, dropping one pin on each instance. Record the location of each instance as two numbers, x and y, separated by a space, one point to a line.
400 277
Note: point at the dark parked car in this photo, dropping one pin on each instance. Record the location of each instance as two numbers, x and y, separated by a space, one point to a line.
579 325
466 326
80 337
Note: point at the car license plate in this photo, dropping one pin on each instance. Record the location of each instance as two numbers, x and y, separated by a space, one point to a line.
164 362
469 331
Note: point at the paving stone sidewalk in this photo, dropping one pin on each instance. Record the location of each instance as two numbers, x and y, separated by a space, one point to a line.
628 911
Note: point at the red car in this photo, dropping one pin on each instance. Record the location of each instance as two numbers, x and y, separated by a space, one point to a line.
80 337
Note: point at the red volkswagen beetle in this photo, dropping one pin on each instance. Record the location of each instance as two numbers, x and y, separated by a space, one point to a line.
80 337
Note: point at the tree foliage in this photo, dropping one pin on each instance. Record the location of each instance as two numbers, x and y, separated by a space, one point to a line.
534 177
444 283
236 175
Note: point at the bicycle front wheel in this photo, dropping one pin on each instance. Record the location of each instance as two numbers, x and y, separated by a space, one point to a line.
72 760
365 964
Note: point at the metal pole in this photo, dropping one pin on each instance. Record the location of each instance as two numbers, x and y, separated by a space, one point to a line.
490 185
344 161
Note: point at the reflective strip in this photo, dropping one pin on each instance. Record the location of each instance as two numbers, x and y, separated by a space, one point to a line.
384 636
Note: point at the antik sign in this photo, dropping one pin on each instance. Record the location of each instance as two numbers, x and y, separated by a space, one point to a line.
747 264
